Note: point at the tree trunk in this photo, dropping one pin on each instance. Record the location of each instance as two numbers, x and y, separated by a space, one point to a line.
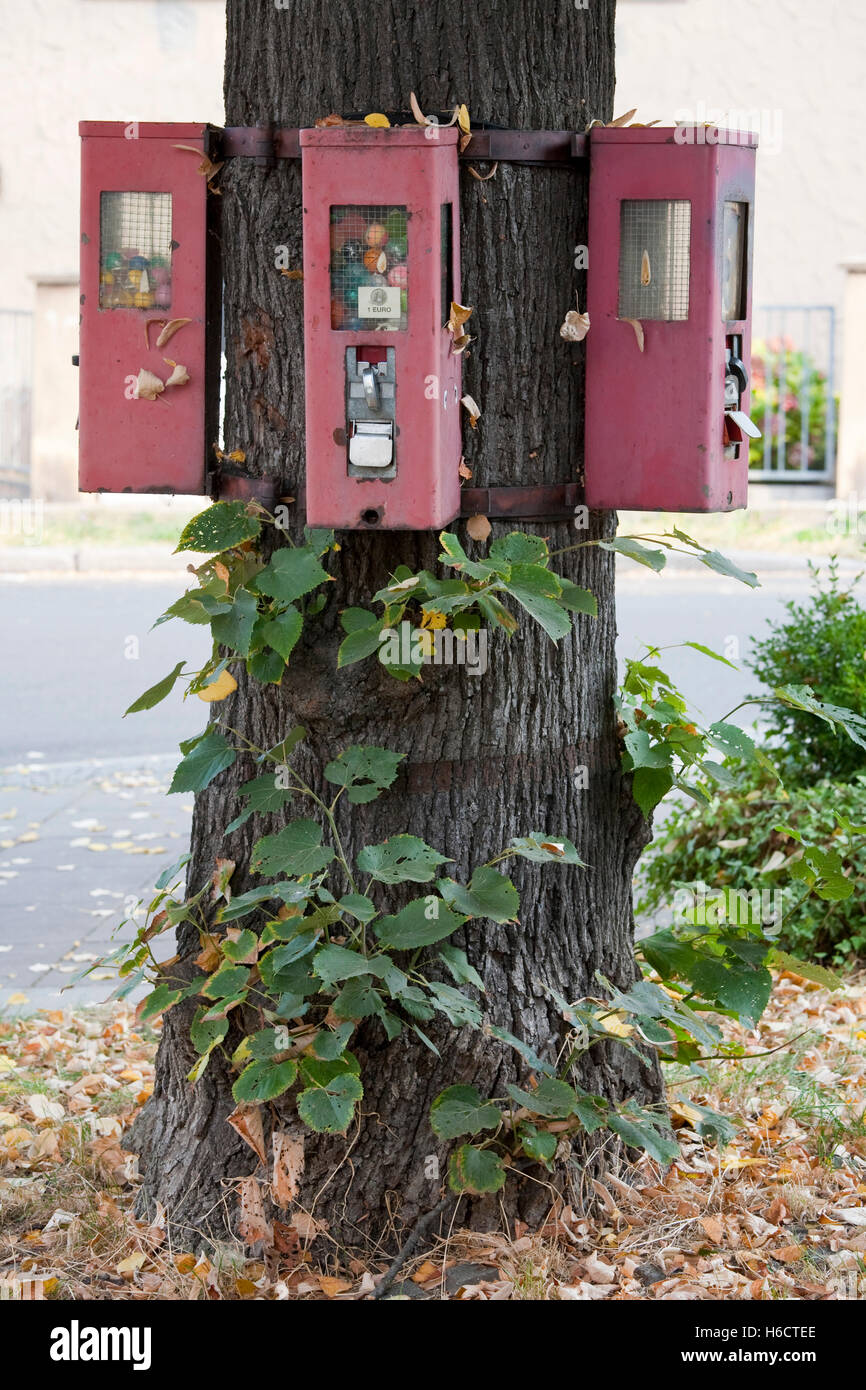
486 758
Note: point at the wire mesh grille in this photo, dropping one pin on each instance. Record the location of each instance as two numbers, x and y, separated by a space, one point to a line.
369 267
654 236
135 251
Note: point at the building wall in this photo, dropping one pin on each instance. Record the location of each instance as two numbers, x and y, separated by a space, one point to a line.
800 67
62 61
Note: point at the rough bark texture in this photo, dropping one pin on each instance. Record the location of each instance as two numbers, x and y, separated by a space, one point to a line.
487 758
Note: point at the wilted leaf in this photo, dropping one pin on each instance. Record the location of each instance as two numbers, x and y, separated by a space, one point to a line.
246 1120
252 1226
474 410
148 386
478 527
638 331
172 326
288 1167
179 375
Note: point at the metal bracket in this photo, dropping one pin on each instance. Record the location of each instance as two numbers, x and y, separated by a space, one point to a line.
267 143
548 502
239 487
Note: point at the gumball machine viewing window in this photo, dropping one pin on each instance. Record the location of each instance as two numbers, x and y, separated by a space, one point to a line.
369 268
135 250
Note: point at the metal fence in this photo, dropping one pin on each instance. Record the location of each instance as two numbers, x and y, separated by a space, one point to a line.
794 394
16 390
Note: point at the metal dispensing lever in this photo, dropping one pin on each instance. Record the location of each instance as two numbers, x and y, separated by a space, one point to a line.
372 394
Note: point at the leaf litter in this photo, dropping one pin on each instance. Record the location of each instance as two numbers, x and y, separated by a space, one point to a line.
780 1212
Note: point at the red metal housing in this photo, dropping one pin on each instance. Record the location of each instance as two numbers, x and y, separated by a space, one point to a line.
670 250
144 258
383 387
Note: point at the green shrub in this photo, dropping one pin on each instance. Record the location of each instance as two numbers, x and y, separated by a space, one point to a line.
732 842
821 644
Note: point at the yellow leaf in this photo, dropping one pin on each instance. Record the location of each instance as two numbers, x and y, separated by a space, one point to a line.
331 1287
6 1064
245 1288
434 620
185 1264
218 689
458 316
13 1137
614 1024
463 119
131 1263
377 120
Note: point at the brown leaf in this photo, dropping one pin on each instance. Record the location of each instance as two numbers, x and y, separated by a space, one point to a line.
483 178
209 957
171 327
220 878
463 470
325 121
288 1167
645 272
179 375
416 110
575 327
464 142
293 274
714 1228
246 1120
148 386
331 1286
457 317
252 1226
473 409
787 1254
478 527
623 120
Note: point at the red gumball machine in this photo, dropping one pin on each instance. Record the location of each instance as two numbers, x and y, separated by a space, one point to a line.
383 385
149 270
669 299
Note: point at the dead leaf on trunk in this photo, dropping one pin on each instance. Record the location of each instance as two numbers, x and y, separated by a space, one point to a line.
288 1167
575 327
483 178
473 409
246 1120
478 527
252 1226
463 470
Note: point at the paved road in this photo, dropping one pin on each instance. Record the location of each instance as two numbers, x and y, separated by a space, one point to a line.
85 827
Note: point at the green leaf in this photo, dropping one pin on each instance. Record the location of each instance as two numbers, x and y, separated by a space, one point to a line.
361 642
637 1129
714 560
335 963
263 796
458 964
263 1080
220 527
519 548
365 772
541 848
454 554
668 956
801 697
297 850
156 692
282 632
649 786
328 1109
419 924
267 667
780 960
281 752
189 608
257 897
653 559
539 1144
644 753
489 894
235 628
457 1007
210 756
357 906
708 651
538 592
359 998
731 740
332 1042
738 987
401 859
578 600
526 1052
292 572
167 875
475 1170
226 982
460 1110
236 948
552 1098
158 1001
281 957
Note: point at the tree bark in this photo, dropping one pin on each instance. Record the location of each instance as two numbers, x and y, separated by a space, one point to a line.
486 758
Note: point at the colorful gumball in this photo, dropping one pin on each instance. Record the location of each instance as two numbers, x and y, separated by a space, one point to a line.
377 234
162 296
399 275
395 251
352 251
